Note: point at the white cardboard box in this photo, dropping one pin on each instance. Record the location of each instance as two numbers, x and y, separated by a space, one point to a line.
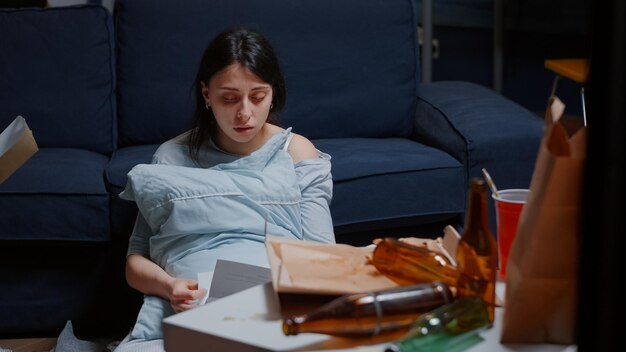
251 320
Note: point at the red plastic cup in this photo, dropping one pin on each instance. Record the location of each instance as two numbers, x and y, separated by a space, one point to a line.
509 204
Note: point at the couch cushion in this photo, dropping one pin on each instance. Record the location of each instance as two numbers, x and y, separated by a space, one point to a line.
123 160
123 212
58 194
57 70
339 84
392 178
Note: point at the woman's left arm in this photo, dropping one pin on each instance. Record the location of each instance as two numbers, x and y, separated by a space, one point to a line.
316 185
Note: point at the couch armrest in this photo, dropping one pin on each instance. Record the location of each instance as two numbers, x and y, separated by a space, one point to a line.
480 128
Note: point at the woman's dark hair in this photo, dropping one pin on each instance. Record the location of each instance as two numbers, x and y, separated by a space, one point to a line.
236 45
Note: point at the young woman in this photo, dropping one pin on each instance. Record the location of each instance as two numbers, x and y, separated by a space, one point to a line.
215 191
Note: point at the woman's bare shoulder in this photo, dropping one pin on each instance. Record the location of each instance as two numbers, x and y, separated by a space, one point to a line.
300 148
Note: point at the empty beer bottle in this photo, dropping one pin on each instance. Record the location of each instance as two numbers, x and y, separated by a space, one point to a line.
477 253
407 264
368 314
451 327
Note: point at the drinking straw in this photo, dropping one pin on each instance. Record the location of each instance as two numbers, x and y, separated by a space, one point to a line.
490 183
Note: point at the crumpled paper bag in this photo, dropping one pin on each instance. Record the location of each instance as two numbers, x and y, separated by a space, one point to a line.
336 269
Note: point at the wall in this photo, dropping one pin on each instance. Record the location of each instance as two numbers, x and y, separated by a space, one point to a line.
534 30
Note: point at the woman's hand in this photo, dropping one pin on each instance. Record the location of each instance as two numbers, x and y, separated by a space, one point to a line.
149 278
183 292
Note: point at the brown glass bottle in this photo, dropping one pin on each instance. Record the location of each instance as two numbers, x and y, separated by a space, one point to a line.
477 252
368 314
406 264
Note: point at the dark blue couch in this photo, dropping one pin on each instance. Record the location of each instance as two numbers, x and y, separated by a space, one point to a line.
101 92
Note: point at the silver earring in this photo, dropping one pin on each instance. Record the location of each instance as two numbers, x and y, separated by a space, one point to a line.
208 107
271 106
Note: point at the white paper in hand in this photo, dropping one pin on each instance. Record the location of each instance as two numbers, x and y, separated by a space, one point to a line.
204 281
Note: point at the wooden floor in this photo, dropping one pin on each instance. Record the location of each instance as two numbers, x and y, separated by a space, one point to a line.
28 345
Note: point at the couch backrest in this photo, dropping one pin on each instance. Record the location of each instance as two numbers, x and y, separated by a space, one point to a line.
57 69
351 66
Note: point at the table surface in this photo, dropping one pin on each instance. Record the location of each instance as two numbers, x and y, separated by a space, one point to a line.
251 320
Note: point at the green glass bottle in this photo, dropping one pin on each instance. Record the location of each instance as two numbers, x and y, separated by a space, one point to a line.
451 327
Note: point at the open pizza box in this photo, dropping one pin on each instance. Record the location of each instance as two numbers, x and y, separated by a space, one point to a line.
17 145
306 274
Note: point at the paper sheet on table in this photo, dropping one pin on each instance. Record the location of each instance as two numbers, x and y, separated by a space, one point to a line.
334 269
231 277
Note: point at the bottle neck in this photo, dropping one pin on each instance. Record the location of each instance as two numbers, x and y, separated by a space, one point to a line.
476 207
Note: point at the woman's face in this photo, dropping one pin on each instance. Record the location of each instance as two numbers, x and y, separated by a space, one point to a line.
241 103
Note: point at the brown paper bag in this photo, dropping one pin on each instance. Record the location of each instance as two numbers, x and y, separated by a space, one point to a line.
542 271
319 268
305 267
